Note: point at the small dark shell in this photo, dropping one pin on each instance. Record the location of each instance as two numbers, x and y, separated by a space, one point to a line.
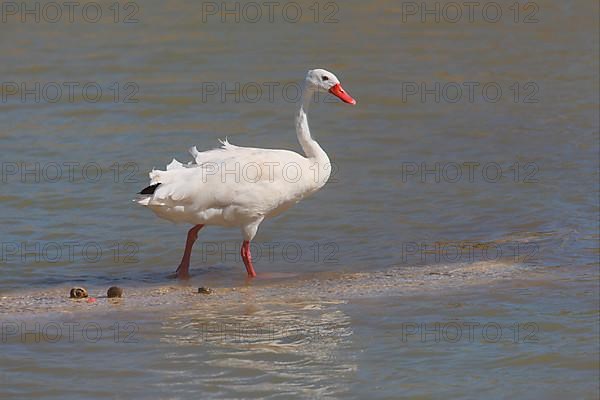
114 291
78 293
204 290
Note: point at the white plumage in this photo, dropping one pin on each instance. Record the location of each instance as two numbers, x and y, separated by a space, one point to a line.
241 186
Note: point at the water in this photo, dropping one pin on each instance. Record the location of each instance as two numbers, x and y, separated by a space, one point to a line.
353 280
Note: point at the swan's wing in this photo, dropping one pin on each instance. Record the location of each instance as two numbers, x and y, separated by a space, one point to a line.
183 183
219 182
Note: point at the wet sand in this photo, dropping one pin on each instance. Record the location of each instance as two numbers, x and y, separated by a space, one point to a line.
271 288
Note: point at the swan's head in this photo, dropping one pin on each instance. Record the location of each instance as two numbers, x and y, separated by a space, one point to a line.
325 81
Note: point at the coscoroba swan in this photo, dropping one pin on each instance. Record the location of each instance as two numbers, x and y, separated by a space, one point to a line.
241 186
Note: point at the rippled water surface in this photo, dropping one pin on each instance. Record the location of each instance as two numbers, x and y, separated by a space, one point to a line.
453 253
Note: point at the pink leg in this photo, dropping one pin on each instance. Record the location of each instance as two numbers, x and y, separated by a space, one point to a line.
247 257
184 267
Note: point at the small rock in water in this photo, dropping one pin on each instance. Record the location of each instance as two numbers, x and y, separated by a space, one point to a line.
114 291
204 290
78 293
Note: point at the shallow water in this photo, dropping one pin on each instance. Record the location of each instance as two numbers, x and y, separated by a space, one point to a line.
415 228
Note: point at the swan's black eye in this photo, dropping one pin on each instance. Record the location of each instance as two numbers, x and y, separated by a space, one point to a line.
325 78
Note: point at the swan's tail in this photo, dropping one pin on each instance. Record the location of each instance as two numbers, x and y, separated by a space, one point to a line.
173 185
157 178
149 189
146 194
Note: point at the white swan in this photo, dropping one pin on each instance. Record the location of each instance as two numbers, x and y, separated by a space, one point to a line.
241 186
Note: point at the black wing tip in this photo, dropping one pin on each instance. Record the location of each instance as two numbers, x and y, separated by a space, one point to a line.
150 189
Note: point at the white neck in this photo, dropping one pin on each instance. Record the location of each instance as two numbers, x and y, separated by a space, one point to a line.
311 148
